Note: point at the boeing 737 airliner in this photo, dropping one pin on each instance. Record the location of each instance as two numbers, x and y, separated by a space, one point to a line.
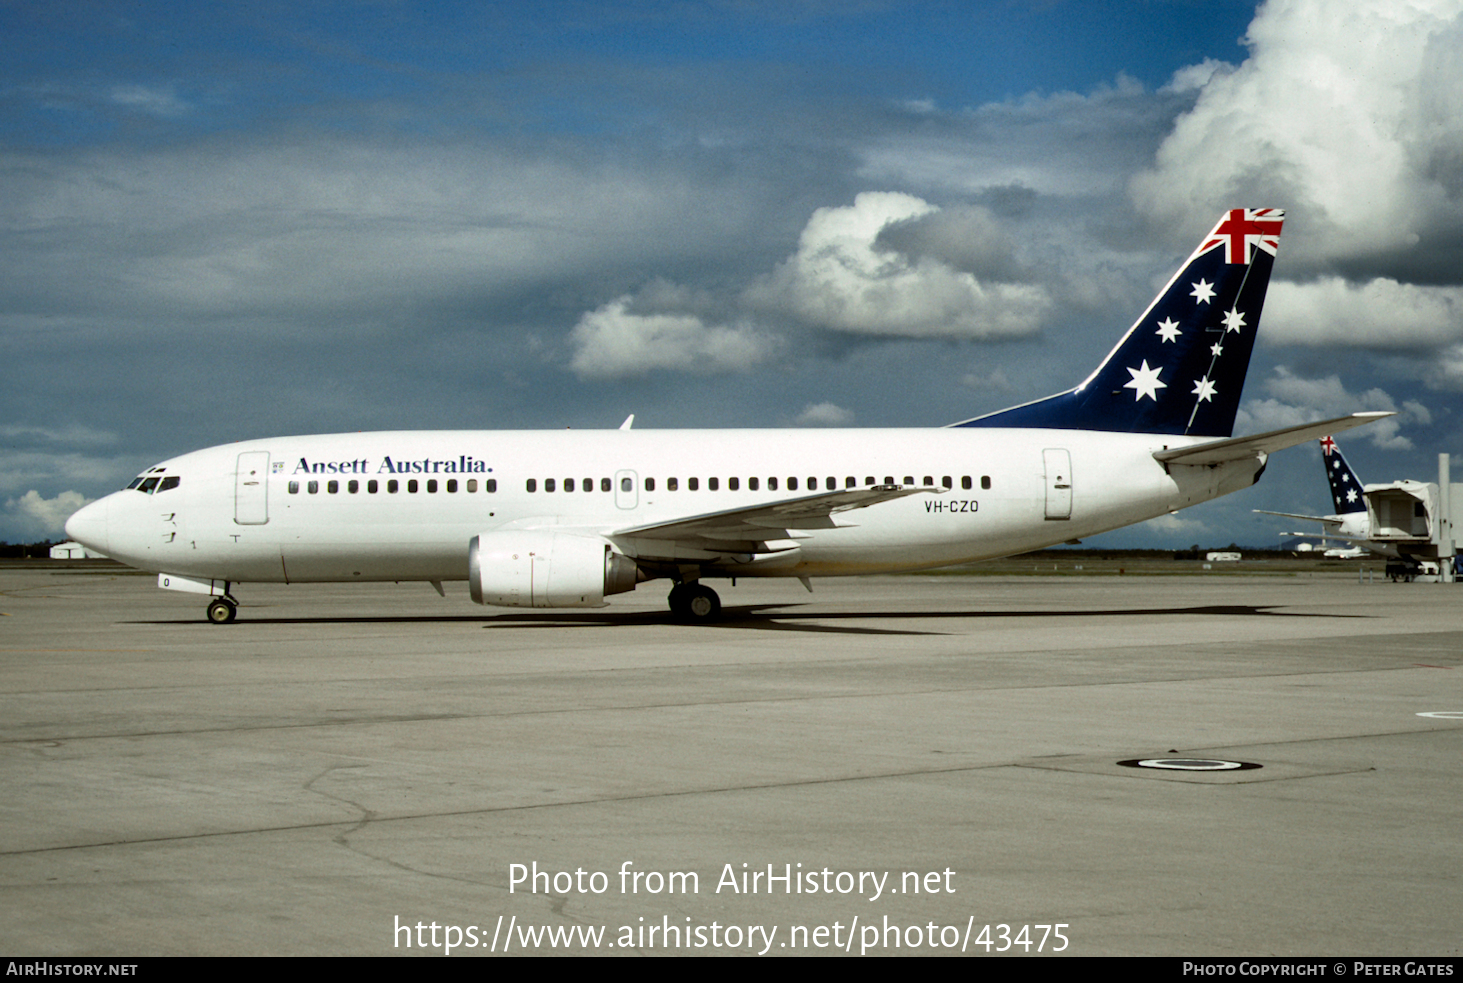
565 518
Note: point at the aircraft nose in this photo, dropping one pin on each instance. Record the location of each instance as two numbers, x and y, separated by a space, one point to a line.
88 525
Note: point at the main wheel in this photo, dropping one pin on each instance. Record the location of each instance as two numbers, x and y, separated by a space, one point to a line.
221 611
701 603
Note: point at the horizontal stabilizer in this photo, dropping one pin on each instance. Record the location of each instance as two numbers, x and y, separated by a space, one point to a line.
1297 515
1239 448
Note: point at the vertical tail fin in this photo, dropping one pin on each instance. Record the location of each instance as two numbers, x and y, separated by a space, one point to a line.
1181 367
1346 491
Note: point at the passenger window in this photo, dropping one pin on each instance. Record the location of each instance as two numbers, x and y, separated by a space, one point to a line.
451 486
909 479
587 484
626 485
869 480
671 484
333 487
605 485
431 486
849 482
568 485
965 482
172 481
371 486
391 486
294 487
772 484
650 484
491 485
751 484
830 483
548 484
712 484
412 486
353 486
313 488
947 482
929 482
888 479
532 485
732 484
693 484
792 484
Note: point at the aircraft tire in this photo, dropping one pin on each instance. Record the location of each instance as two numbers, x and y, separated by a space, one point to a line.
221 612
701 604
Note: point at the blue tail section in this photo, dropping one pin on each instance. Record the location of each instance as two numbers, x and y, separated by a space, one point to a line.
1181 367
1345 486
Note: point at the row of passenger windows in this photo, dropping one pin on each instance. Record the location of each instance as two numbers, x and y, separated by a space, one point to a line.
393 486
830 483
627 484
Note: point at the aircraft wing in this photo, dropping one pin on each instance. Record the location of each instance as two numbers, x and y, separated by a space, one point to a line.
1239 448
747 530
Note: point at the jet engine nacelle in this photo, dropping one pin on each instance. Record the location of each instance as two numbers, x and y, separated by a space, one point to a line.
545 569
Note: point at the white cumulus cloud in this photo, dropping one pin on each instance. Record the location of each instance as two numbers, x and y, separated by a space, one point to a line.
1350 115
613 341
44 516
840 278
824 415
1295 399
1381 313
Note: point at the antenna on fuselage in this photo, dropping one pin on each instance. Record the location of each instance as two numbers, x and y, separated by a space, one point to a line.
629 422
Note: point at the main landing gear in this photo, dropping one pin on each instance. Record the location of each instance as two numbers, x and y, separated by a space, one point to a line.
222 610
694 602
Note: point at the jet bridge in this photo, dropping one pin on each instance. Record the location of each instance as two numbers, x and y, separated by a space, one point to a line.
1417 517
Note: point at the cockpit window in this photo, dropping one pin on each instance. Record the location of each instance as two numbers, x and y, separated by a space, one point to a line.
171 481
148 484
135 482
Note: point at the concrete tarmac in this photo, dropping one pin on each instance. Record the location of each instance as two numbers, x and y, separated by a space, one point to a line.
937 753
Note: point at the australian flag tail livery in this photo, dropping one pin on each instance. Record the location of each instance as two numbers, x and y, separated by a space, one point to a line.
1181 367
1346 491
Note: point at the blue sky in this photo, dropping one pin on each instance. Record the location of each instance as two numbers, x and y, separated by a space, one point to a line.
232 221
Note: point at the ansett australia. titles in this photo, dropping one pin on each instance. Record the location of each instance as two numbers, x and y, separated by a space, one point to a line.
463 464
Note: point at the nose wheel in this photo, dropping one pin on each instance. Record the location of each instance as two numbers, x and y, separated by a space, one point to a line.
222 610
694 602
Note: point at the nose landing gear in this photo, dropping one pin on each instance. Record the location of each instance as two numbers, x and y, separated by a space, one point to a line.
222 610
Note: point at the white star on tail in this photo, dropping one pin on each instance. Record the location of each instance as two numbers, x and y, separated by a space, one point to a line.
1233 320
1168 329
1204 389
1145 383
1203 291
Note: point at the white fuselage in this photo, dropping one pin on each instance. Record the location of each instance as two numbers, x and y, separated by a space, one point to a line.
297 509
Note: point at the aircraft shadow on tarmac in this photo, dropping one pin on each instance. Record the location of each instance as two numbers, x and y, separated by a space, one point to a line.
769 617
